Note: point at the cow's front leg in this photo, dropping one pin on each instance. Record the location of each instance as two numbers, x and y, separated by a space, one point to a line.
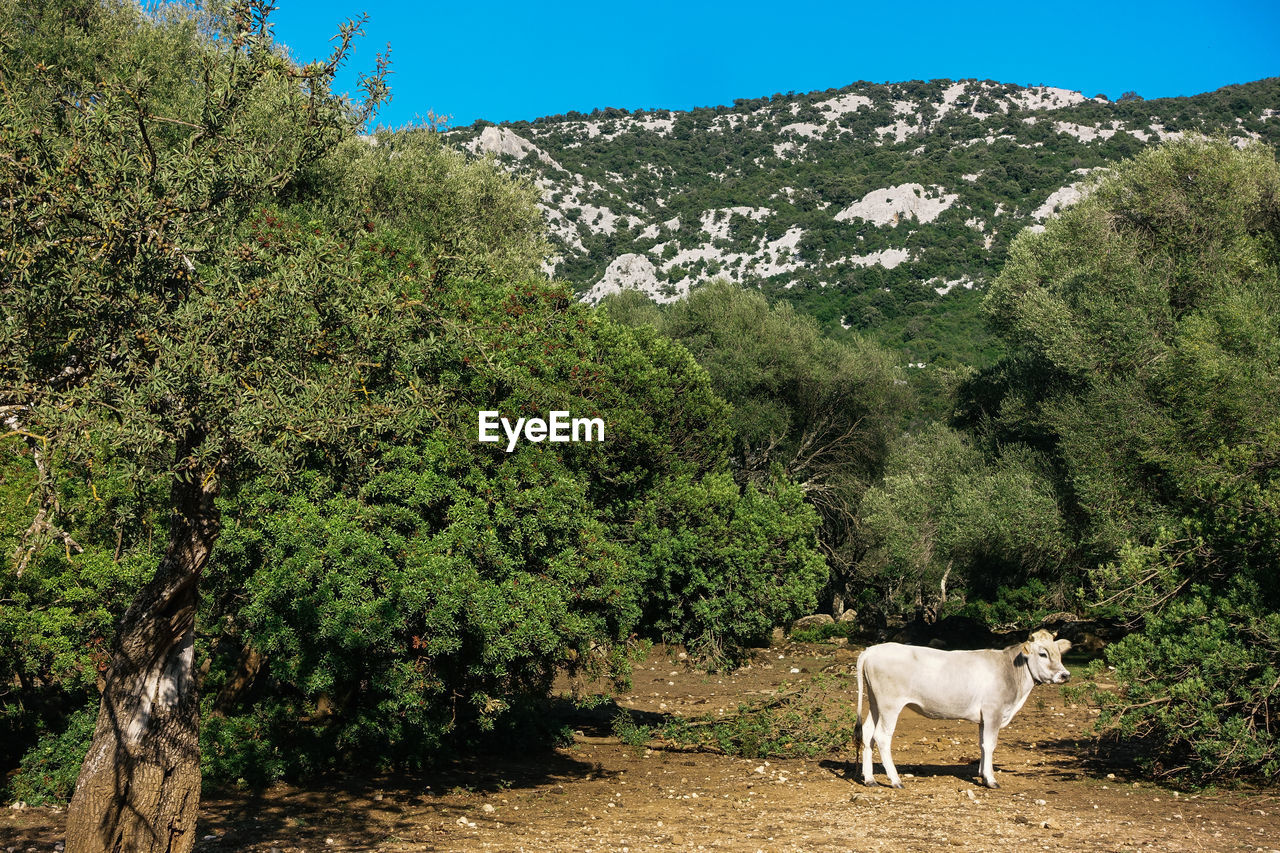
988 731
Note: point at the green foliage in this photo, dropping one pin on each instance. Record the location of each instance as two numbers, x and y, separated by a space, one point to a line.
168 327
822 633
1143 328
1002 160
1012 606
58 615
464 217
789 384
945 521
152 292
414 607
814 719
207 278
818 410
47 773
208 282
253 750
1200 686
1144 325
723 565
629 732
384 631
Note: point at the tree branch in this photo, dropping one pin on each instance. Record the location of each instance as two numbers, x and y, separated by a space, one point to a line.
42 528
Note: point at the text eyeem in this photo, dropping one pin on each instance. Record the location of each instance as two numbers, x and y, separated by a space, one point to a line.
558 427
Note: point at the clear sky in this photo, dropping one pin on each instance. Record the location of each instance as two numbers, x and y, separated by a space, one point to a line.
499 60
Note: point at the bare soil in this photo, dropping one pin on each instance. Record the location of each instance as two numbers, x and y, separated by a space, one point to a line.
601 795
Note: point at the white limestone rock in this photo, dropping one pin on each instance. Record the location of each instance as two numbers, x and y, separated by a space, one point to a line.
887 258
1046 98
634 272
891 205
501 140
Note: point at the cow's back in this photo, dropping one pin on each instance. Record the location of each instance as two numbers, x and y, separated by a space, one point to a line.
952 685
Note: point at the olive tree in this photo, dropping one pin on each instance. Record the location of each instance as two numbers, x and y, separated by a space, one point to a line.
817 410
1143 328
946 524
162 315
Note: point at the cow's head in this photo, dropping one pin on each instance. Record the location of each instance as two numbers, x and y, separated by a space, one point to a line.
1044 658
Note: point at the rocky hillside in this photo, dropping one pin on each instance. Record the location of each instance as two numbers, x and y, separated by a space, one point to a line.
883 208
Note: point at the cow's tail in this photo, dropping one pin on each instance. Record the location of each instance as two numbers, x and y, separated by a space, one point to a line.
857 729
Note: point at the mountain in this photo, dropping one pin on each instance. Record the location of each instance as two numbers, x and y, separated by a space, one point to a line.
883 208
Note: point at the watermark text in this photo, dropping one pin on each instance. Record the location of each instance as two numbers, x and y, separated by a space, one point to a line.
559 426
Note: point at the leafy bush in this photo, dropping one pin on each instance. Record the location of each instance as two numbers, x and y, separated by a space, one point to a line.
465 217
412 606
1145 366
58 615
1011 606
947 524
628 731
723 565
1200 689
820 410
822 633
270 342
47 773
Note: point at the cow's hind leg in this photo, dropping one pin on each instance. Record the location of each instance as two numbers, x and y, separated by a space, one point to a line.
884 742
988 731
868 730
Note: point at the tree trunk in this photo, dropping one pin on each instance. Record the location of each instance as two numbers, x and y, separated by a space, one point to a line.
139 786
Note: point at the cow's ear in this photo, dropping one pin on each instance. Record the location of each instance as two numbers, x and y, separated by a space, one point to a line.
1026 649
1063 645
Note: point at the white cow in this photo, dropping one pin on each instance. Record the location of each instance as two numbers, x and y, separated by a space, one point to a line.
986 687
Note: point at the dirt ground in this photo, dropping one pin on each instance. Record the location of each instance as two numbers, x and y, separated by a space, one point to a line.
601 795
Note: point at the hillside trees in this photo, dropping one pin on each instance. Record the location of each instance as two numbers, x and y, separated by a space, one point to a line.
162 317
1144 364
467 220
948 521
1002 166
271 341
817 411
384 620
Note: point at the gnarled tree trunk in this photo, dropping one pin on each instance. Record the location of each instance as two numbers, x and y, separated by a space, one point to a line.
139 787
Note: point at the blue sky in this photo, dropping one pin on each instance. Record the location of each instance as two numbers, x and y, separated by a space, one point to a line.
509 61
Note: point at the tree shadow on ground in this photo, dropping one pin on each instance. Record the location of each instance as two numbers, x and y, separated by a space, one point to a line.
27 828
1089 757
597 720
364 810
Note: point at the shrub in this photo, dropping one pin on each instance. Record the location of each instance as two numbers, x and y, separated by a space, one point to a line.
1146 369
1200 689
47 773
822 633
416 604
722 565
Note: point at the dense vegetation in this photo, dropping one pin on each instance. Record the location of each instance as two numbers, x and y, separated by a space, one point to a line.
796 160
819 411
246 348
1120 461
249 348
1144 337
